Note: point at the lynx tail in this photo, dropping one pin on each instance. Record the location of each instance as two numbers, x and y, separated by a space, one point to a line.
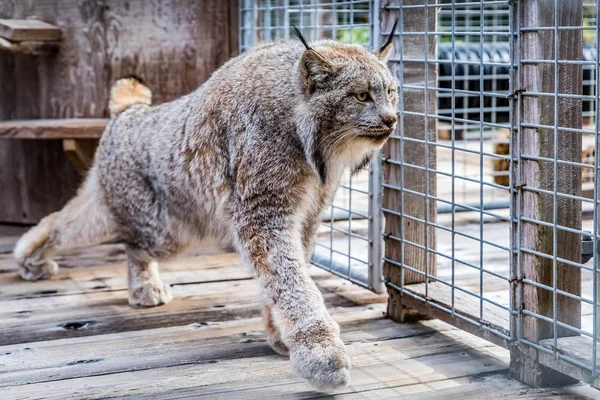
127 92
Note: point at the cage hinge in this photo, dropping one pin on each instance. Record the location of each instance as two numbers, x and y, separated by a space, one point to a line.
587 248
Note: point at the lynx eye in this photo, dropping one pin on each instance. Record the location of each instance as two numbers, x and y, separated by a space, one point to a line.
362 96
391 92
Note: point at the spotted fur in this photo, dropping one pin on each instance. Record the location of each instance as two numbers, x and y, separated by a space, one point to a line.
253 157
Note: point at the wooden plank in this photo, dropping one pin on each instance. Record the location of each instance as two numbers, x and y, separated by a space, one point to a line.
102 268
411 153
70 128
110 274
17 30
540 77
405 360
180 345
49 315
36 179
495 385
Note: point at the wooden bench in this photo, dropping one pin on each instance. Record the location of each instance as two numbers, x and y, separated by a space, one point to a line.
79 136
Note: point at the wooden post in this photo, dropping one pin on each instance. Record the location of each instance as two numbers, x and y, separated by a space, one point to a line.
417 19
540 77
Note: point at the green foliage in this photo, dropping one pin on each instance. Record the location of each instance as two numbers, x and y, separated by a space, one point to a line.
360 35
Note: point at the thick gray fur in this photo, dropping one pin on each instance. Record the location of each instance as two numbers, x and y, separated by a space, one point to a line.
252 157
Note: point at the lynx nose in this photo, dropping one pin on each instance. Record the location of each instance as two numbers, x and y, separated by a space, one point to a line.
389 120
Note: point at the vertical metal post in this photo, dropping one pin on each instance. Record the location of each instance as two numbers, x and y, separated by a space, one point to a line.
375 186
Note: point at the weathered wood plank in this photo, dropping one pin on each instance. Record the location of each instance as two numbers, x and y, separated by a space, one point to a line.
50 312
17 30
69 128
379 363
180 345
111 275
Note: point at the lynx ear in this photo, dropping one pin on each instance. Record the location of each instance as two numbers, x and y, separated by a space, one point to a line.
386 50
314 68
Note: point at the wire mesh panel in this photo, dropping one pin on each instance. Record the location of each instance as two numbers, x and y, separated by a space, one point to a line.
556 200
490 192
343 246
446 198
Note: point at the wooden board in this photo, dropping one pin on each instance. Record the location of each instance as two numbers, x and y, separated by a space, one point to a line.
69 128
17 30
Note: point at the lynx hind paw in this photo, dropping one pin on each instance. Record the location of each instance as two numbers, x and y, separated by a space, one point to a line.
35 272
150 294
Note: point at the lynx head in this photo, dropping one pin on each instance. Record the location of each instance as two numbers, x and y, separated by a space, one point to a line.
351 96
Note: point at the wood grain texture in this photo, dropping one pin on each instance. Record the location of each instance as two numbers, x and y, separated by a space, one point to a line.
174 45
70 128
544 175
210 341
409 152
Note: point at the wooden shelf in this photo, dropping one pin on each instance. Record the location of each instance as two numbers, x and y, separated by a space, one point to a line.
76 128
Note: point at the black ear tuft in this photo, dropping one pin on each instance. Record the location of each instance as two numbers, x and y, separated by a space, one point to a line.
301 37
385 50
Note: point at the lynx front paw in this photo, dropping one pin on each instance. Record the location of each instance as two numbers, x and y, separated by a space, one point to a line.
149 294
324 363
34 272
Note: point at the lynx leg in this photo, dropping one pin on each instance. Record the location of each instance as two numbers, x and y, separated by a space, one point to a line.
313 337
273 333
145 286
85 221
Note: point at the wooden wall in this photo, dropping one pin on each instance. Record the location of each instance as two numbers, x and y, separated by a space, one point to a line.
174 45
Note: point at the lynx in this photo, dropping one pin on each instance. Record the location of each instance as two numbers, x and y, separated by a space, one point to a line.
252 157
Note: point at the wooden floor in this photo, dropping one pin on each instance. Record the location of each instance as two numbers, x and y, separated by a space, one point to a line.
76 337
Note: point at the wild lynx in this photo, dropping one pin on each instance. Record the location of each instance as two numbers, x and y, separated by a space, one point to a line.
253 156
